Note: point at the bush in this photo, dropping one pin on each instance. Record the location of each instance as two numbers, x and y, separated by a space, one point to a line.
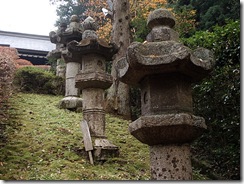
36 80
217 99
7 69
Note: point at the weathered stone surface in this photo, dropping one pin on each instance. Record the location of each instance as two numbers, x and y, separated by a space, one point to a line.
90 27
160 17
93 80
96 121
165 93
160 22
53 35
72 69
70 102
91 46
73 31
88 34
61 68
170 162
54 54
93 63
204 58
164 69
167 129
89 24
161 33
93 110
74 24
92 53
67 56
104 149
164 57
93 98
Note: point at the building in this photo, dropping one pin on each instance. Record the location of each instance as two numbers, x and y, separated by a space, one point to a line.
33 48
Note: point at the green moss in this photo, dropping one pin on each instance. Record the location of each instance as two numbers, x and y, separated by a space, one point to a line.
44 143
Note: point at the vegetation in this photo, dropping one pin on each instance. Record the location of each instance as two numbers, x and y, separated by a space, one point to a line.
36 80
8 57
7 69
209 13
217 99
44 142
68 8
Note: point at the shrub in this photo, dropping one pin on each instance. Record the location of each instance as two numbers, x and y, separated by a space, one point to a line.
37 80
7 69
217 99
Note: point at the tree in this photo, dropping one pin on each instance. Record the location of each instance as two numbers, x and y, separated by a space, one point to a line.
212 12
140 10
118 95
67 8
185 19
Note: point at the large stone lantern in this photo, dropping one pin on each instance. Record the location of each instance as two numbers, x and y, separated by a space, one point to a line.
93 53
165 69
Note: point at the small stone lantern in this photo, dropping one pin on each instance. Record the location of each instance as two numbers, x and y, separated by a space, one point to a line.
74 31
93 53
56 53
165 69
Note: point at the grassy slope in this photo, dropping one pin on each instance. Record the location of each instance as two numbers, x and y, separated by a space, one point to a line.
44 143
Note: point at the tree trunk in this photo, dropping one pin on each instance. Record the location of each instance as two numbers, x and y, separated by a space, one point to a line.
118 101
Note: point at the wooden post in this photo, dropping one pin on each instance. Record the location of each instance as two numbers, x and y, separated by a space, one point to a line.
87 139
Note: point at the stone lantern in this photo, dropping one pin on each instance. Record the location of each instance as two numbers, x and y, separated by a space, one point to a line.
65 35
165 69
93 53
56 53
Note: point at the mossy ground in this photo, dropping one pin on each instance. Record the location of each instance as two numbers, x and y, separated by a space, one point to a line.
45 143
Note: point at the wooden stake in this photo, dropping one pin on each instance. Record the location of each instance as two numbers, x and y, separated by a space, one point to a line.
87 139
90 157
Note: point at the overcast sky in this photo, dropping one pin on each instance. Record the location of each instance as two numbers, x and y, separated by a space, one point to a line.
27 16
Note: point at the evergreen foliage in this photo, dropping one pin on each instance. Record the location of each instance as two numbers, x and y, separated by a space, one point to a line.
68 8
217 99
211 12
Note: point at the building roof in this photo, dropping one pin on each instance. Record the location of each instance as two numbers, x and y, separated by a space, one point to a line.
26 41
30 47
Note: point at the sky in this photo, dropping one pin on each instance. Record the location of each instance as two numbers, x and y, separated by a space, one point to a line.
27 16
